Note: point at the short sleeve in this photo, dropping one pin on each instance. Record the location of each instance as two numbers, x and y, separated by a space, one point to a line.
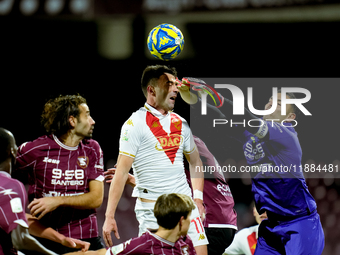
189 143
130 137
98 162
13 203
24 161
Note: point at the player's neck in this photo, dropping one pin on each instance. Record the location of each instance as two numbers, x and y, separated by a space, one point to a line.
6 166
153 103
171 235
70 139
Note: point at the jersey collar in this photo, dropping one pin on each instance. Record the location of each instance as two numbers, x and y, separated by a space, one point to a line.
161 239
154 111
6 174
63 145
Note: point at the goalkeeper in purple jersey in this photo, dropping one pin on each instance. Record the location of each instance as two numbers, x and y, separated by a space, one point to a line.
293 225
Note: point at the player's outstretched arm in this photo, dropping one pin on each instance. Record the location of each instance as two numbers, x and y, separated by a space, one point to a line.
92 199
37 229
116 190
197 179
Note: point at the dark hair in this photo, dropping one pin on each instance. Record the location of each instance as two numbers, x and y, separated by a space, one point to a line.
5 144
169 209
56 113
151 73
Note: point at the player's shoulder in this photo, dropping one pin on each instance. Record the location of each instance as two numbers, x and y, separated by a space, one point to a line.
248 231
40 142
136 118
13 186
180 117
91 143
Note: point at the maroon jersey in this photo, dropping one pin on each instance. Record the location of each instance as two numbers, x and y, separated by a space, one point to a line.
54 169
13 201
149 243
217 197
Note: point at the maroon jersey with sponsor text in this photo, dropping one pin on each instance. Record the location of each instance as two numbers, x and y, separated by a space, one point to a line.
54 169
217 197
150 243
13 201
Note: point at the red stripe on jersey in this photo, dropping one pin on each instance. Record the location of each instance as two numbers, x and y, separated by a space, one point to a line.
169 143
252 241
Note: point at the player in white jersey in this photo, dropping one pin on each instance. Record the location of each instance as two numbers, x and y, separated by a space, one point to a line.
153 141
246 239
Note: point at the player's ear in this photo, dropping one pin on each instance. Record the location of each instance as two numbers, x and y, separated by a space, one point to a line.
151 90
291 116
180 223
73 121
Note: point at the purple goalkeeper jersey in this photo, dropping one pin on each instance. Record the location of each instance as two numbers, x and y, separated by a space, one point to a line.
283 190
13 201
54 169
150 243
217 197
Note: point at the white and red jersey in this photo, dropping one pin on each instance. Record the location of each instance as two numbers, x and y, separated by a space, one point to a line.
150 243
13 201
54 169
157 143
244 242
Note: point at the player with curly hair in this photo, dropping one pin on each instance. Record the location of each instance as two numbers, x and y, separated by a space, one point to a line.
65 172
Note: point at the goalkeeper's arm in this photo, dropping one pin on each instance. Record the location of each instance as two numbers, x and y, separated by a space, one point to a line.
223 111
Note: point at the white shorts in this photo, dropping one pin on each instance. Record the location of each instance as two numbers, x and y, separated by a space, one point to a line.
147 220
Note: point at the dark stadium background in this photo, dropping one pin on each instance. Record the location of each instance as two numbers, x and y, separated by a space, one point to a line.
100 52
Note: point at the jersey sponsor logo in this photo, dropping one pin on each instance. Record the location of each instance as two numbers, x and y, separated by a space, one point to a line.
224 189
49 160
83 161
253 150
8 192
60 194
169 143
67 177
129 122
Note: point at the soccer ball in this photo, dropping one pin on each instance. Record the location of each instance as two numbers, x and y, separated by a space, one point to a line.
165 41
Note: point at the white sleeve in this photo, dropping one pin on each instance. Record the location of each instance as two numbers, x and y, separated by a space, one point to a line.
130 137
236 246
189 143
22 240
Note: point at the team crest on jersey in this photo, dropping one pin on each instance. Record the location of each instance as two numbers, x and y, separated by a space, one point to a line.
177 123
185 250
83 161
